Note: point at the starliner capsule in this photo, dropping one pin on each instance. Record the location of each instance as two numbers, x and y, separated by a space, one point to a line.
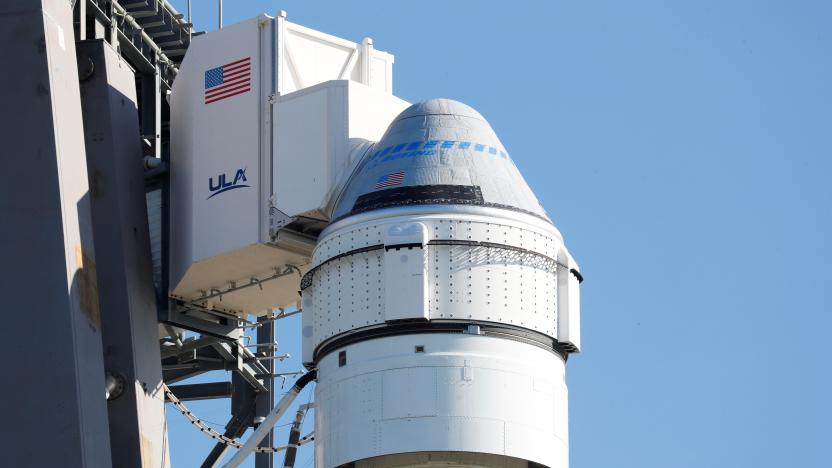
441 306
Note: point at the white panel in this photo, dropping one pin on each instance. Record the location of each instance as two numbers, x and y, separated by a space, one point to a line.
315 57
307 328
380 71
310 57
347 294
492 284
569 319
405 285
448 434
215 145
405 282
574 312
518 435
346 240
229 155
341 301
316 129
371 111
349 401
308 124
416 386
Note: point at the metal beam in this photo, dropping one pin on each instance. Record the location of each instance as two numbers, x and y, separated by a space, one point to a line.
247 371
178 315
188 345
264 401
125 276
179 375
54 399
151 111
137 45
202 391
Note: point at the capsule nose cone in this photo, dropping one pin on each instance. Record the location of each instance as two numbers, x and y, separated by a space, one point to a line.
438 152
440 106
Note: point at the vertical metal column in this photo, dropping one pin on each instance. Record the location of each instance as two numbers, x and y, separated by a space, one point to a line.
54 408
82 20
152 111
264 401
130 330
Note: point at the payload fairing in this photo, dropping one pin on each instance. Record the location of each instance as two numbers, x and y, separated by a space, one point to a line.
439 301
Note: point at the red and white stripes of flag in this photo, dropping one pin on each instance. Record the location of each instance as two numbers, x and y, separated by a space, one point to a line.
228 80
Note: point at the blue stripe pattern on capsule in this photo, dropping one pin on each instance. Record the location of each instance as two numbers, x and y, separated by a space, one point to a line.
427 148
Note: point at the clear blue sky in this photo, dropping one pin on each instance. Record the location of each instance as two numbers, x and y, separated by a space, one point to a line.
683 149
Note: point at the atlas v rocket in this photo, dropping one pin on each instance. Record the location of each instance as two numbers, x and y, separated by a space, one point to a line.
439 301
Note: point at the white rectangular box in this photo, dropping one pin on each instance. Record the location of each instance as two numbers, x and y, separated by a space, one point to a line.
254 148
405 272
319 134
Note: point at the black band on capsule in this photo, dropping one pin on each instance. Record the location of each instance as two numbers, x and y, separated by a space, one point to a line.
439 194
419 195
490 329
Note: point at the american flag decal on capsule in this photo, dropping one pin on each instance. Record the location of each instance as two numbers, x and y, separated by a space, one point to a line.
390 180
228 80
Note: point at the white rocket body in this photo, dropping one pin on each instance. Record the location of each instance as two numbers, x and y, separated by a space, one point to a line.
439 301
441 306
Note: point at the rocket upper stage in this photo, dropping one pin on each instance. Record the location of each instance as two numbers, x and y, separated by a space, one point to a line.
438 151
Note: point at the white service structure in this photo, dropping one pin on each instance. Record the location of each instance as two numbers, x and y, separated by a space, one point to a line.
266 118
439 301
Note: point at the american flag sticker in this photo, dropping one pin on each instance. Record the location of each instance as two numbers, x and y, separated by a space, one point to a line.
228 80
390 180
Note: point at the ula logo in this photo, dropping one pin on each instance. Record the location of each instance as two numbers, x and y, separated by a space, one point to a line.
223 184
